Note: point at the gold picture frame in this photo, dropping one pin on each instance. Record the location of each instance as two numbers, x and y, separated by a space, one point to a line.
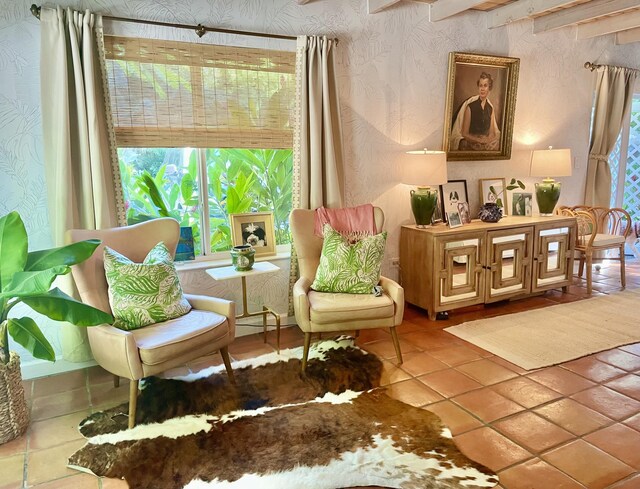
255 229
475 129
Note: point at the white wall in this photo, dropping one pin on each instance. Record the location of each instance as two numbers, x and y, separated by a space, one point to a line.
392 74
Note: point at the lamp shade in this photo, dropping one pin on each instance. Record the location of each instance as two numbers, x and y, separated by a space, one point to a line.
551 163
425 168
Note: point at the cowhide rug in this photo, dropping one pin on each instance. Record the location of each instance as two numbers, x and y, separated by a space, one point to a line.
331 428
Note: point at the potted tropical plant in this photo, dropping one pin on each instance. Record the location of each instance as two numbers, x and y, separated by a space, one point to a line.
492 211
26 277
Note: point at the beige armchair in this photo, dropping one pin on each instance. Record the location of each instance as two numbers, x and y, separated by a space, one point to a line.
209 327
321 312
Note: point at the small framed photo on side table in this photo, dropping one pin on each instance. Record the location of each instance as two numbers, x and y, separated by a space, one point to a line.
454 220
255 229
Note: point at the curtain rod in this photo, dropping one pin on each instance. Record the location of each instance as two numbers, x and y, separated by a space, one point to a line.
199 29
593 66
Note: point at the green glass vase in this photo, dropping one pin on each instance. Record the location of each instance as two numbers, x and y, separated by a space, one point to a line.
547 195
423 205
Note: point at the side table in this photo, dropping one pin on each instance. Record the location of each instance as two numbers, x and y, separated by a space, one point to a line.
225 273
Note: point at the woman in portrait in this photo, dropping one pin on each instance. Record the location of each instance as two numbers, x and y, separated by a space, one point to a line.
475 127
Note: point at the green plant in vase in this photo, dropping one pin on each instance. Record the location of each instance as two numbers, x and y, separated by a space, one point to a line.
27 278
513 184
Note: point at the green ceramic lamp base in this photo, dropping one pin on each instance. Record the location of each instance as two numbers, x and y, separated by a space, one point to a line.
423 205
547 195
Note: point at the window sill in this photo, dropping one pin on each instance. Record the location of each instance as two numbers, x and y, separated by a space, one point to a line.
205 262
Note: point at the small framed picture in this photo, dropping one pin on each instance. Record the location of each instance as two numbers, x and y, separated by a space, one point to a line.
453 218
437 213
255 229
451 193
465 214
493 190
522 204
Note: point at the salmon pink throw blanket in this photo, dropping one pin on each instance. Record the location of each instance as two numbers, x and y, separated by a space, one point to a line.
347 221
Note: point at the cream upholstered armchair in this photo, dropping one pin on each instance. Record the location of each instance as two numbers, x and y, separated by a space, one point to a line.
322 312
209 327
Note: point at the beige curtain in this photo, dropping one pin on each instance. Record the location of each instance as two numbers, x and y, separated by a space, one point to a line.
318 165
318 175
79 159
614 90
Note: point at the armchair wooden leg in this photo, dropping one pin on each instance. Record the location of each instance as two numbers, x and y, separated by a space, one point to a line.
623 278
133 402
396 344
116 381
224 353
305 352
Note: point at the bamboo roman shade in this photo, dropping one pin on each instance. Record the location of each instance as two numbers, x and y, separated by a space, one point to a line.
177 94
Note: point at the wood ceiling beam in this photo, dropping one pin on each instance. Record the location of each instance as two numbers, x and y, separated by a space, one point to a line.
442 9
375 6
609 25
521 9
628 36
581 13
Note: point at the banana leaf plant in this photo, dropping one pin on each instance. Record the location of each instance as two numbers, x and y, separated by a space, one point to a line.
26 277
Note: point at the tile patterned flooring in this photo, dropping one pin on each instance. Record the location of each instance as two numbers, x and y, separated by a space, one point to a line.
576 425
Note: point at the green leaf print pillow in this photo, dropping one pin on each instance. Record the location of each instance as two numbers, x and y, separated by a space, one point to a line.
352 268
143 293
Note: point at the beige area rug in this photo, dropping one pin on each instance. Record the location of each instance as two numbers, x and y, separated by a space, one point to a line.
557 334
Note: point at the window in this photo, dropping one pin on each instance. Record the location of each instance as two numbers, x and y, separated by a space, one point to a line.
202 131
625 164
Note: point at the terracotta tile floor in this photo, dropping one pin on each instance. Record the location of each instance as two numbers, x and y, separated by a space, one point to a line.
576 425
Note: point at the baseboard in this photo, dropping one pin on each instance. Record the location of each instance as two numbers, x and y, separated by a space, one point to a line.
42 368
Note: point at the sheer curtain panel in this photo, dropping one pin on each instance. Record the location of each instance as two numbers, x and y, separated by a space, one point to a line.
79 159
614 90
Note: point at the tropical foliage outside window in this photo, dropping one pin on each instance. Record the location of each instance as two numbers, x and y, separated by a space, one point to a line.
166 182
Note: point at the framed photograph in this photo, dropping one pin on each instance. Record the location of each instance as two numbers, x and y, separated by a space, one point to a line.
465 213
437 213
453 218
522 204
480 106
451 193
494 190
255 229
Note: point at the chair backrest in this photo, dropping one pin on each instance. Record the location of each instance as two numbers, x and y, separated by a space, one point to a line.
309 246
134 242
615 221
586 229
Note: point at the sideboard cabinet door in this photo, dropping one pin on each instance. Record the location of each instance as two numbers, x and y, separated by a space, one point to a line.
459 270
509 259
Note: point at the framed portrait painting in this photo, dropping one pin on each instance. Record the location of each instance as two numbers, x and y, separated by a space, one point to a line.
480 106
452 193
255 229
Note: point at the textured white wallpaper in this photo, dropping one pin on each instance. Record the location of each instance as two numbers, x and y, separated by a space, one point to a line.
392 70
